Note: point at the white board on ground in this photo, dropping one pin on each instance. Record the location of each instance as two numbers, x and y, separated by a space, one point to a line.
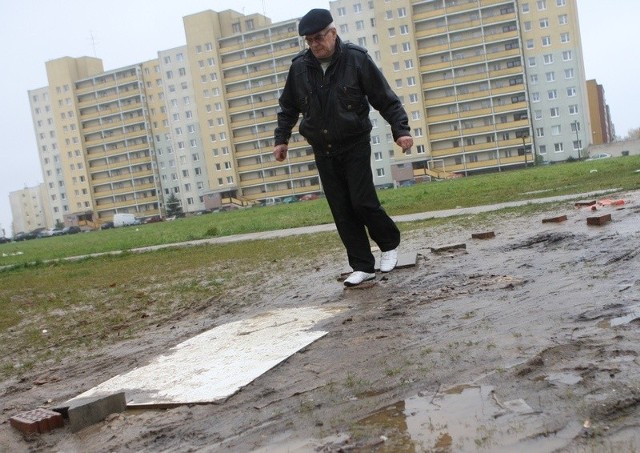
215 364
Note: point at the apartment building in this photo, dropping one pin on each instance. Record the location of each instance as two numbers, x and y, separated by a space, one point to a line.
602 129
29 208
556 78
488 85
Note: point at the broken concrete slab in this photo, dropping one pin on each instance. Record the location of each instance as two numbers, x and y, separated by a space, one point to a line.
599 220
448 248
557 219
86 411
214 365
485 235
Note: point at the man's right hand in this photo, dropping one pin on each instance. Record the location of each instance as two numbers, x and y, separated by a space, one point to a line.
280 152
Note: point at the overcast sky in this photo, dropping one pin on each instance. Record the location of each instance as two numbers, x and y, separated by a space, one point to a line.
124 32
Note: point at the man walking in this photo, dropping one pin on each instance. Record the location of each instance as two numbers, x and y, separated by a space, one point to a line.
332 84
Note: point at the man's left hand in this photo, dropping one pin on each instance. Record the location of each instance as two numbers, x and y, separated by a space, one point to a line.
405 142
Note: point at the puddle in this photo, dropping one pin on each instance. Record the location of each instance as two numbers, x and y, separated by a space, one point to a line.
621 320
563 378
463 418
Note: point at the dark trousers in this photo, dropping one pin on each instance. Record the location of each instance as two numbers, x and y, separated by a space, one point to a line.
347 181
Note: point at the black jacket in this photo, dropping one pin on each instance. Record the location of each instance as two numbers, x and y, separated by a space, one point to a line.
335 105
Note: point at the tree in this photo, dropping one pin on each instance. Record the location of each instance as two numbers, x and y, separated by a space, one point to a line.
634 134
173 206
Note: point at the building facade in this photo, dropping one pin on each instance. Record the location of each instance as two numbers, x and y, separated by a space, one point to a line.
488 85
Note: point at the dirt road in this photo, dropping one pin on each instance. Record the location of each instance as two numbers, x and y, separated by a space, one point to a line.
528 341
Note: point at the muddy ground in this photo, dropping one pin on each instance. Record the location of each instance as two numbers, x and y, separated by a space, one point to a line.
528 341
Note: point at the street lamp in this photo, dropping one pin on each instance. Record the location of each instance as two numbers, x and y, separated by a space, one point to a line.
524 149
576 125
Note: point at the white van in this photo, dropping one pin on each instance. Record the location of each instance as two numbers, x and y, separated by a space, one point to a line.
120 220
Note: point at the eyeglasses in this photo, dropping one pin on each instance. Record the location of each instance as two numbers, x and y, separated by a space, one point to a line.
317 38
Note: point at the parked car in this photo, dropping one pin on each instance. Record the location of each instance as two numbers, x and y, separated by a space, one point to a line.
50 232
290 199
22 236
309 196
106 225
598 156
71 230
154 219
4 240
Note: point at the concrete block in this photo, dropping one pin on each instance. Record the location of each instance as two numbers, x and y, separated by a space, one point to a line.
83 412
37 421
485 235
600 220
448 248
558 219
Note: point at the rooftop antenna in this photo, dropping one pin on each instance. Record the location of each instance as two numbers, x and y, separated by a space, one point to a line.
93 43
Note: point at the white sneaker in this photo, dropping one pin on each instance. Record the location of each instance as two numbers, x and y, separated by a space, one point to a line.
358 277
388 260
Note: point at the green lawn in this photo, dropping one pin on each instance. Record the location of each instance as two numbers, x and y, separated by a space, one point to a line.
533 182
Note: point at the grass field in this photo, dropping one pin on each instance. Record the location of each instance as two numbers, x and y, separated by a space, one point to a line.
533 182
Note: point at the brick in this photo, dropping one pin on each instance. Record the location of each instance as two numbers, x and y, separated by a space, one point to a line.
580 204
485 235
83 412
447 248
600 220
558 219
37 421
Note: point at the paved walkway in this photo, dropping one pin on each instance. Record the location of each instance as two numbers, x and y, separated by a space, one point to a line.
401 218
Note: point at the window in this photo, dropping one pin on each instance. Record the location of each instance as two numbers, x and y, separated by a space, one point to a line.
402 12
529 43
555 129
564 38
535 96
542 149
415 115
571 91
555 112
550 76
537 114
388 14
558 147
548 58
552 94
406 46
342 11
527 26
561 2
573 109
408 64
380 172
360 25
567 55
562 19
413 98
546 41
534 79
404 29
525 7
531 61
568 73
357 8
392 32
542 5
544 23
539 131
377 156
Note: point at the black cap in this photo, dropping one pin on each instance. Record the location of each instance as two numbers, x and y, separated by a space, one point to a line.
314 21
